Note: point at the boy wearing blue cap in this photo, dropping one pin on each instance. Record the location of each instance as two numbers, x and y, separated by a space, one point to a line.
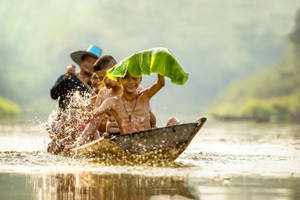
66 86
70 82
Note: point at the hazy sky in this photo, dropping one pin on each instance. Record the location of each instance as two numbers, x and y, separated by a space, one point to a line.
215 41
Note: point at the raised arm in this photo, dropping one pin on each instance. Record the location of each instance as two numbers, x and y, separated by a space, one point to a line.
156 87
61 85
59 88
107 105
99 99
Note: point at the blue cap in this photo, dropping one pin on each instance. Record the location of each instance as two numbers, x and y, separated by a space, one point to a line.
92 50
97 51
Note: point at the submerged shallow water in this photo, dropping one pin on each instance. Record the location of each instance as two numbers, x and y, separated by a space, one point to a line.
224 161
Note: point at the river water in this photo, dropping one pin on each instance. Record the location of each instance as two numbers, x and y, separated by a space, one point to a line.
224 161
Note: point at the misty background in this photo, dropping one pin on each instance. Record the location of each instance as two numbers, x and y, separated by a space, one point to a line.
216 42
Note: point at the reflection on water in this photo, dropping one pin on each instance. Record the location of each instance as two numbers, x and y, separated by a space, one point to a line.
92 186
89 185
224 161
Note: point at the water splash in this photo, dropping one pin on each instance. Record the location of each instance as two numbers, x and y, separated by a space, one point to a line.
65 126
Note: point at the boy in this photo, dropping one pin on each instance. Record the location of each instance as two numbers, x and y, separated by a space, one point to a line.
109 88
131 109
65 89
70 82
102 89
107 123
104 63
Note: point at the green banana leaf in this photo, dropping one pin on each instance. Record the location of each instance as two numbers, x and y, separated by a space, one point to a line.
156 60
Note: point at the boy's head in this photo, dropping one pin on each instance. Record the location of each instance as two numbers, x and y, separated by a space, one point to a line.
86 64
129 83
86 58
102 64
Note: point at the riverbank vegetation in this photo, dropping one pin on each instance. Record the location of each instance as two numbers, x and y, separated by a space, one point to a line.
270 95
8 110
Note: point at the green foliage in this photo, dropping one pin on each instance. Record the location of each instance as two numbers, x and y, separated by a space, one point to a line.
278 109
285 108
256 109
273 94
8 109
270 95
156 60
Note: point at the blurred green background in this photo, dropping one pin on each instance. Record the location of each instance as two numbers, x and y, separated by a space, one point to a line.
243 57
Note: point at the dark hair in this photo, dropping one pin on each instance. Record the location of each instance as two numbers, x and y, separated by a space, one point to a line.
104 62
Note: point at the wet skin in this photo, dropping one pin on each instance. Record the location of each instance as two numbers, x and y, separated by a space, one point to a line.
131 109
132 102
108 123
112 88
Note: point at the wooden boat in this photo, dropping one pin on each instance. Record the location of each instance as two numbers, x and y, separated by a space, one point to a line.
160 144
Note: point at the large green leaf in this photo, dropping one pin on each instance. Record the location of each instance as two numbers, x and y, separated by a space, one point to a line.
156 60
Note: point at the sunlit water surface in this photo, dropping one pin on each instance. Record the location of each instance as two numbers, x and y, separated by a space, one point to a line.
224 161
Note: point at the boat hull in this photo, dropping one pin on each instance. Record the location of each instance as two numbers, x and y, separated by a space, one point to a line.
160 144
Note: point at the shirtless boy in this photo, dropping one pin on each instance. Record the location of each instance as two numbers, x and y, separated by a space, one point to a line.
101 65
110 88
131 109
107 123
